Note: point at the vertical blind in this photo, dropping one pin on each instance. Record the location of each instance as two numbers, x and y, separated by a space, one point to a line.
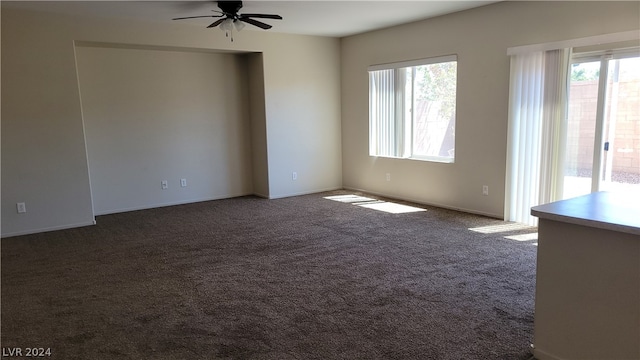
525 113
386 110
554 125
386 131
536 133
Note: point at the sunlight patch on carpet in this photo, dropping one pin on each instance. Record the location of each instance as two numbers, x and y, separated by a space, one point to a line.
523 237
392 208
492 229
374 204
349 198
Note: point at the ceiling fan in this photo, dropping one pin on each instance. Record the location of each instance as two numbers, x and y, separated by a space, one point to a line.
230 18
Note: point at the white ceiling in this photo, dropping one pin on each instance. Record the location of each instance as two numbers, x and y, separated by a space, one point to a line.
323 18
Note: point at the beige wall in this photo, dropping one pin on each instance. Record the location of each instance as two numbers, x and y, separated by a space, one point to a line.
44 157
259 159
154 115
301 131
480 37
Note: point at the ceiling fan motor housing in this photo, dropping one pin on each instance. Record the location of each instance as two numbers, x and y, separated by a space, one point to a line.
230 7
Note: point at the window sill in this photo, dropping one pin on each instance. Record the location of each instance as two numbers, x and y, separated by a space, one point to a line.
419 158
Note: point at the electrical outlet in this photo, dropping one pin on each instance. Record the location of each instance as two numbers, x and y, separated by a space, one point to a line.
294 176
485 190
388 177
165 184
21 207
183 182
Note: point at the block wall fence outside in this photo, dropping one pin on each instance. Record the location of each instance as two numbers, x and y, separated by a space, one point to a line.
625 146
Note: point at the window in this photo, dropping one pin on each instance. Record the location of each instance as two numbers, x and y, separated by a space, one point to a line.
412 109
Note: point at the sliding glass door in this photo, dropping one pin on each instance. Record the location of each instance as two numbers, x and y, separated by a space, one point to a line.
621 157
603 129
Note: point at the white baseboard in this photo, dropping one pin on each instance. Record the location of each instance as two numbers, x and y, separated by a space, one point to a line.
47 229
264 196
305 192
173 203
543 355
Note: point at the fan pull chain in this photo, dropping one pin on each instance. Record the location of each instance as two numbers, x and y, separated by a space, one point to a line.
229 34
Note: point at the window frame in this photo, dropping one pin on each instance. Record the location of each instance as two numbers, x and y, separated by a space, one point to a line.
407 126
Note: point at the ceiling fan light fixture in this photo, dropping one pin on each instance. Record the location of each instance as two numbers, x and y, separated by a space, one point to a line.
239 25
227 25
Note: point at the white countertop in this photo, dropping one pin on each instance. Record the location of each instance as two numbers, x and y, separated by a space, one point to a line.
604 210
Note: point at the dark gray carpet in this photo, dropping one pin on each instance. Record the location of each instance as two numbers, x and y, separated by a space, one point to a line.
249 278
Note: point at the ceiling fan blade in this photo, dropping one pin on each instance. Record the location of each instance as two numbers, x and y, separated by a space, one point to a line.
194 17
217 22
257 23
263 16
